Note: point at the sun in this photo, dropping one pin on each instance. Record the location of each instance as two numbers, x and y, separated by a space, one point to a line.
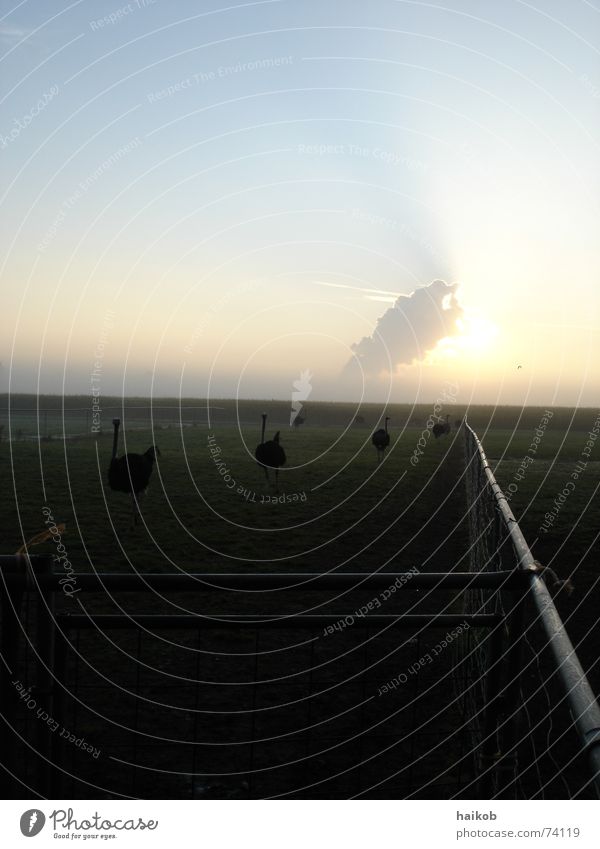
476 335
476 332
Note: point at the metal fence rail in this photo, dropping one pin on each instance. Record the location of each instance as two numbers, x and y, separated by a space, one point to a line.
497 543
15 567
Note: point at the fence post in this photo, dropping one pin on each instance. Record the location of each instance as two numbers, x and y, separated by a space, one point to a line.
45 644
509 733
11 602
58 748
490 747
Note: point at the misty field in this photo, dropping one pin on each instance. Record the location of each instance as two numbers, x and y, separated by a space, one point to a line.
210 509
194 519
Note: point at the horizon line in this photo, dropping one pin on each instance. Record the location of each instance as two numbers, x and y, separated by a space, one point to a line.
151 398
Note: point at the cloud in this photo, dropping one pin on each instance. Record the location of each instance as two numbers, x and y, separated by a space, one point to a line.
409 329
385 292
12 35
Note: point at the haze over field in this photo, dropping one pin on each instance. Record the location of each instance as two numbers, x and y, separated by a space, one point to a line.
214 201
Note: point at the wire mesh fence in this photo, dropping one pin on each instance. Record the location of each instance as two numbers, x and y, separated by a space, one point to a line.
180 707
271 721
530 694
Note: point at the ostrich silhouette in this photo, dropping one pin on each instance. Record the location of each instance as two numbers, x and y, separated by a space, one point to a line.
441 429
131 473
270 455
381 440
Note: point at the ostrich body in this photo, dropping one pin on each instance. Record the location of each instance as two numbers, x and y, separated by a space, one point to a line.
270 455
381 440
131 473
441 429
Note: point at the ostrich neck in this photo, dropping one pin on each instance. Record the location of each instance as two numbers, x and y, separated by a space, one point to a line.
262 436
115 441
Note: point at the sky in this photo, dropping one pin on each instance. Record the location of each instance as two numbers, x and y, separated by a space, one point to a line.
210 200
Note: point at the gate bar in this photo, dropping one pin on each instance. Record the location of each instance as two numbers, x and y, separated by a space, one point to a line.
110 620
271 581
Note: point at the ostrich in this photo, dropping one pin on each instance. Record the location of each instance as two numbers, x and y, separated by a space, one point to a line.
440 429
381 439
131 473
299 420
270 455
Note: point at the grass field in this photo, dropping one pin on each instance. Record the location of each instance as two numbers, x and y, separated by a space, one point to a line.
333 494
333 502
336 509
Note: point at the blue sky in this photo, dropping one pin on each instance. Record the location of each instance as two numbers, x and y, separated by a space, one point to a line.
186 165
